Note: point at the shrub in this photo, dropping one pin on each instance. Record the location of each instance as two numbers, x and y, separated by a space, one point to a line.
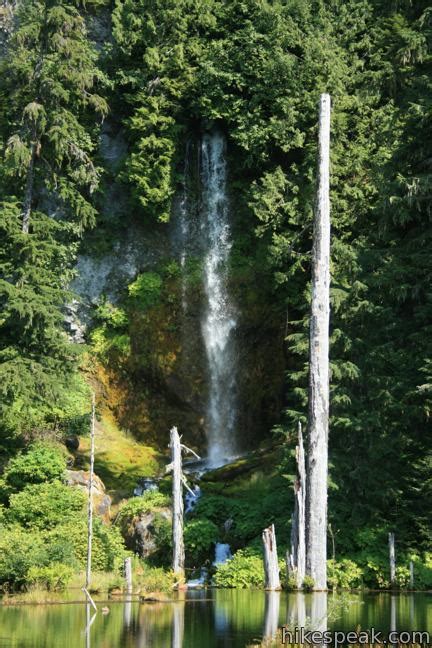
243 570
19 551
44 506
146 289
345 574
200 537
308 583
291 583
153 579
149 501
422 571
53 577
108 550
41 463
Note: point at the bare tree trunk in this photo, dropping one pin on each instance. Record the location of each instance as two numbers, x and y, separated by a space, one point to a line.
298 528
128 574
177 492
392 559
90 506
271 566
411 578
316 509
28 195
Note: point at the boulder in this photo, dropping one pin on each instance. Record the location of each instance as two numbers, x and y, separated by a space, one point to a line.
142 533
101 501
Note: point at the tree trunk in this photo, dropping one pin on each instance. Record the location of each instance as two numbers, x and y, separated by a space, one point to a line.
177 492
271 566
128 574
90 506
90 497
316 509
28 195
298 528
392 559
411 578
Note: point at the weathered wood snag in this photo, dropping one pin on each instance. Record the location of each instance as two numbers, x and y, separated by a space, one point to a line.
392 559
297 559
90 505
317 468
178 482
271 566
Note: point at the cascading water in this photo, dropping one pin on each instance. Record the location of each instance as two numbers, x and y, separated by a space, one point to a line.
184 225
222 553
219 318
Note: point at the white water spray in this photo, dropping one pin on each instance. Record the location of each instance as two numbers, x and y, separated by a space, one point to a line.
184 226
219 319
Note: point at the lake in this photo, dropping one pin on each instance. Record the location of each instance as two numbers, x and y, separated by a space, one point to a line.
207 619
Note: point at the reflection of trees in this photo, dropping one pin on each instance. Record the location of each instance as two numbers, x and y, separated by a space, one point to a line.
89 621
154 625
319 611
177 632
296 610
271 614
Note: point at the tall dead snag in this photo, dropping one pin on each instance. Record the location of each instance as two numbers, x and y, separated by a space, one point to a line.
271 566
316 498
298 528
90 506
392 559
128 574
177 501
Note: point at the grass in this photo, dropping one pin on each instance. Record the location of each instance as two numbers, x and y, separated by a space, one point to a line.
119 459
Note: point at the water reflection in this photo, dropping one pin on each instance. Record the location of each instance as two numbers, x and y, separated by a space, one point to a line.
210 618
271 614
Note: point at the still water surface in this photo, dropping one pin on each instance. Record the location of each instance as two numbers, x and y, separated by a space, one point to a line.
207 619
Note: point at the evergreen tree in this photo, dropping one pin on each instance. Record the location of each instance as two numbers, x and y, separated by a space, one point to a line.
48 76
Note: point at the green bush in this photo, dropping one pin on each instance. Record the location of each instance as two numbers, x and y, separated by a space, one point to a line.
146 289
308 583
108 549
243 570
345 574
19 552
153 579
422 571
52 577
200 537
44 506
162 531
149 501
40 463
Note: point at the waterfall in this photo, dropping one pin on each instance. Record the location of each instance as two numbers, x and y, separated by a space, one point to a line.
191 498
219 317
184 233
222 553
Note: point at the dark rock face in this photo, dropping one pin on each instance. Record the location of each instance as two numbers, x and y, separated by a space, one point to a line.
72 443
142 533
